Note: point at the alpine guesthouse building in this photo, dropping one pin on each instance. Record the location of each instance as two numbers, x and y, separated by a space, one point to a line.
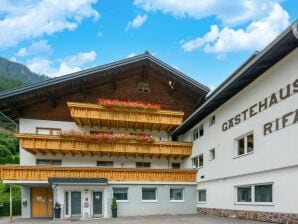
144 133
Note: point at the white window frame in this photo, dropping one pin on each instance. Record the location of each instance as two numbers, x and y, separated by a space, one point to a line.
210 153
156 194
236 150
201 202
201 126
120 188
173 188
253 202
199 161
193 131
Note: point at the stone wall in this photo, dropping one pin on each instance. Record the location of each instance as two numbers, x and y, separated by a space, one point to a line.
284 218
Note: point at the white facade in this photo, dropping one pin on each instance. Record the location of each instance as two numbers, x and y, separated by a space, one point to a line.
274 159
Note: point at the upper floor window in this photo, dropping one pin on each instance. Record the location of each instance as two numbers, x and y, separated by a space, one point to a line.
198 161
212 154
143 87
48 131
143 164
201 130
245 144
48 162
105 163
176 165
195 134
212 120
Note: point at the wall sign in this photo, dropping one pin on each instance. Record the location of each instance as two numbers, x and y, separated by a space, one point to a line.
262 105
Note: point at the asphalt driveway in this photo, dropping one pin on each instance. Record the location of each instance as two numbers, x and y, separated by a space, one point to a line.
170 219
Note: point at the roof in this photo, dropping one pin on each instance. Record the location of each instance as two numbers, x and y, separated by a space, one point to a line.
251 69
11 101
146 55
78 180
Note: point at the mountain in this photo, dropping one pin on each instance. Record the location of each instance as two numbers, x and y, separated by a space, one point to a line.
14 74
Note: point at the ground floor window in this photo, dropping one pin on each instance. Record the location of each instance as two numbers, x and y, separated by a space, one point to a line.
202 195
259 193
149 194
121 194
176 195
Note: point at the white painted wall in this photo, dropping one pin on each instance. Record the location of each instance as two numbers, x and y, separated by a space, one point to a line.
271 152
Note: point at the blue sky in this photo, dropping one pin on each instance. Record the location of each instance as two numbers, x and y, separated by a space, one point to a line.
207 40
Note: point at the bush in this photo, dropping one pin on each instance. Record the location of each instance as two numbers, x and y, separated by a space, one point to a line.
12 159
16 208
4 199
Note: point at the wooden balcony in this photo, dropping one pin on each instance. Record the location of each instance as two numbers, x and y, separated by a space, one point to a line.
55 144
96 115
112 174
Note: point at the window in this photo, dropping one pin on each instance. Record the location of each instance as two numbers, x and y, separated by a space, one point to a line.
198 162
245 145
212 120
143 164
195 162
175 165
176 195
201 130
105 163
201 160
149 194
143 87
66 202
121 194
259 193
48 162
202 195
244 194
195 134
48 131
211 154
263 193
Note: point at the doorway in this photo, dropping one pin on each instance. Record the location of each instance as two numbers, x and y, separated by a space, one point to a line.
97 203
76 203
42 202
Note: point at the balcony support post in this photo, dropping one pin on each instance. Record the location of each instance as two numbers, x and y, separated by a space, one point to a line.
10 203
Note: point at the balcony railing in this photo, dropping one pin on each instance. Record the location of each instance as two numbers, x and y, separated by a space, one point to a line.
96 115
36 173
59 145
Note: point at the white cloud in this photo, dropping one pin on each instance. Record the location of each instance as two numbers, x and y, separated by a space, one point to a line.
68 65
136 22
99 34
230 12
31 19
37 47
131 55
254 37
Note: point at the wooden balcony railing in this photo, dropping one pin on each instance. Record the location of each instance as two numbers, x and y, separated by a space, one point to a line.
59 145
96 115
112 174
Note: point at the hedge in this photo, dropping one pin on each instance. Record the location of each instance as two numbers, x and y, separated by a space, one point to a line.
16 208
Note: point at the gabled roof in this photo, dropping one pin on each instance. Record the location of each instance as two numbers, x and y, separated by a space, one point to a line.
251 69
146 55
10 100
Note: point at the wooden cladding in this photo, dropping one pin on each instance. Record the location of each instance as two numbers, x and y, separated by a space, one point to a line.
112 174
55 144
96 115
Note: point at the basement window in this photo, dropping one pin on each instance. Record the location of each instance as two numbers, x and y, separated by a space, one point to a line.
143 87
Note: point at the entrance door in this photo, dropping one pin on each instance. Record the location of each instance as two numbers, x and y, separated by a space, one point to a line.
75 203
97 203
41 202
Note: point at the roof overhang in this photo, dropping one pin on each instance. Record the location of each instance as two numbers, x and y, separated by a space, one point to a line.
253 68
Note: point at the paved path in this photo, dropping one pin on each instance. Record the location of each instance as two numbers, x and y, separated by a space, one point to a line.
175 219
